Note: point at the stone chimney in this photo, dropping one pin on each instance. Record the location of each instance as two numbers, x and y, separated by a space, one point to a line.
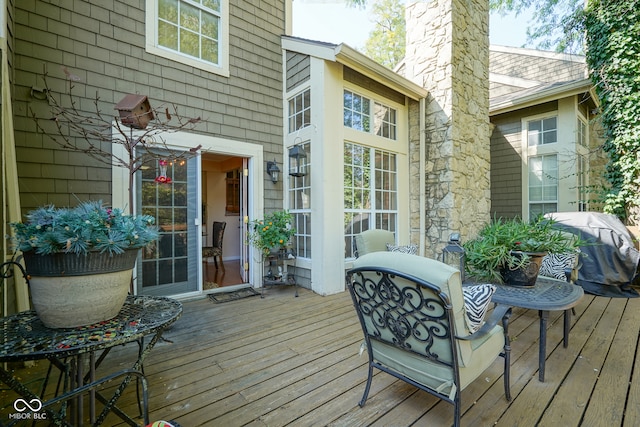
448 54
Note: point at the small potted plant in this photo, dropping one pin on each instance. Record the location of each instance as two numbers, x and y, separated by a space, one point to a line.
508 249
271 233
80 260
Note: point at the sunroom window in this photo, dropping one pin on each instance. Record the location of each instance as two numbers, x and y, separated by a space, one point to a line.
359 112
300 207
384 121
300 111
370 191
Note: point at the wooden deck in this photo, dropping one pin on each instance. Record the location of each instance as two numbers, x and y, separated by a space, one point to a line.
294 361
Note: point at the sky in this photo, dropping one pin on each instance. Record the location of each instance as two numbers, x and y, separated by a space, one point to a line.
331 21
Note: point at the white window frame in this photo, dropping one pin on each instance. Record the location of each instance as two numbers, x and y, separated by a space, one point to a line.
152 46
304 112
582 131
372 211
376 121
543 200
385 118
301 186
541 119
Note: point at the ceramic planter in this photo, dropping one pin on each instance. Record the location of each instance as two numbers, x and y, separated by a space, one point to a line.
70 290
524 277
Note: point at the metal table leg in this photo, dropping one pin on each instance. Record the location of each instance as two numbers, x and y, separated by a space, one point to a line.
542 353
567 327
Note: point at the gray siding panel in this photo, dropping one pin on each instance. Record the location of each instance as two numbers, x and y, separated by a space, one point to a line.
506 175
298 69
103 46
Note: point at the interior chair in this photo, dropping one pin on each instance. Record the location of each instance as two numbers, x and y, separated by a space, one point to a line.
412 312
215 251
372 240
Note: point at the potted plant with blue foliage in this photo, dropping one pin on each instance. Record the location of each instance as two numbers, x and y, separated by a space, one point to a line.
80 260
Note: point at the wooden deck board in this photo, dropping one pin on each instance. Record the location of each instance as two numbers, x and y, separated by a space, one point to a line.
283 360
569 403
610 393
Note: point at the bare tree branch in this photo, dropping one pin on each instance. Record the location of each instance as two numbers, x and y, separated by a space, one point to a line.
90 132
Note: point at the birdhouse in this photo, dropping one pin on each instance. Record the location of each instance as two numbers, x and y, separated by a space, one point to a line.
135 111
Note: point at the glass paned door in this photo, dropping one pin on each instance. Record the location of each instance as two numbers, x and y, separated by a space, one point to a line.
168 193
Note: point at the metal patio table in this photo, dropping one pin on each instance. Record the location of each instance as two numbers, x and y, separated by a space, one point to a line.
23 337
547 295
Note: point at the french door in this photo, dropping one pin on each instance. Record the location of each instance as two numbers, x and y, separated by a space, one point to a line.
168 192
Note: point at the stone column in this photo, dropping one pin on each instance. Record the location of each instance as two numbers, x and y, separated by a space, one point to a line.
448 54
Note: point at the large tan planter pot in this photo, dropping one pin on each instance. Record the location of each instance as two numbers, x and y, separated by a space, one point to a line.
69 290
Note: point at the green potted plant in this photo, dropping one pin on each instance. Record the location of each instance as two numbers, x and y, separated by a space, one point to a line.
80 260
512 247
271 233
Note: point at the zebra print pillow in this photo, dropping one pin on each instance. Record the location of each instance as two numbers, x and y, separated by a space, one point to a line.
407 249
476 304
555 265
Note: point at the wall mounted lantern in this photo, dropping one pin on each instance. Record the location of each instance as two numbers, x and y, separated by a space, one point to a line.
297 163
273 170
135 111
453 254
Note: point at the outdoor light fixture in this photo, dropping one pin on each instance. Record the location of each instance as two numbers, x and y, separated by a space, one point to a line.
273 170
453 254
297 156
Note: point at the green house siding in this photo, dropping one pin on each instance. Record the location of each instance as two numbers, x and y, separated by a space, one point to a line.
506 160
298 69
506 168
101 46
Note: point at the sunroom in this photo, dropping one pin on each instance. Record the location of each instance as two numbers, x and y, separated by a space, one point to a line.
351 117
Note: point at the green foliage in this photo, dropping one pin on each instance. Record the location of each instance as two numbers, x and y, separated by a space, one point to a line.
273 231
555 24
356 3
89 226
494 247
386 42
613 56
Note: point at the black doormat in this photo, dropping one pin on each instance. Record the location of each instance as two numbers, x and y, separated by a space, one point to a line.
221 297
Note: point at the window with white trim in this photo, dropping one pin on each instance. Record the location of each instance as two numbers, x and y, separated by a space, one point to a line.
300 111
193 32
359 110
357 114
370 191
300 207
384 121
543 185
542 131
582 132
583 182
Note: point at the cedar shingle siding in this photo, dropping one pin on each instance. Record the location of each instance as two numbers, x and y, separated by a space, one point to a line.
103 44
506 160
298 69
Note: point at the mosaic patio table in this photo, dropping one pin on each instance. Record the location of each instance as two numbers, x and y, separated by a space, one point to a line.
23 337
